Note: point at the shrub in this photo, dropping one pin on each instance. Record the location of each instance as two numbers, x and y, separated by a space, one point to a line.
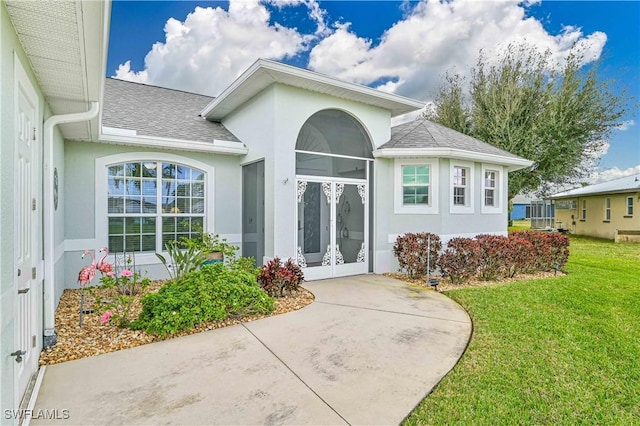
212 293
275 278
411 251
461 259
523 253
184 260
496 257
550 249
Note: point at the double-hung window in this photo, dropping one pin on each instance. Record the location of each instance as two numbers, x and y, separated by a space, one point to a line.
490 188
150 203
460 186
415 185
583 214
629 206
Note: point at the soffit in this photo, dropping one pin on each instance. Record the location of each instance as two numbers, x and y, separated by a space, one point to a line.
65 42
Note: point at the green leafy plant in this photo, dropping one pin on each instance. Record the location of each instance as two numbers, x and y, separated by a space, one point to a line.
276 278
211 243
212 293
115 296
184 260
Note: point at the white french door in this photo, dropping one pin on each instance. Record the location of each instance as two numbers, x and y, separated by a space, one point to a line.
332 223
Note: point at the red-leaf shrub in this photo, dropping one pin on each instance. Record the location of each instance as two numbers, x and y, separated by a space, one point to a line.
411 251
496 257
551 249
461 259
523 253
275 278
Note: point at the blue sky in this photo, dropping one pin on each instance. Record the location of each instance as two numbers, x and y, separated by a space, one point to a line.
400 47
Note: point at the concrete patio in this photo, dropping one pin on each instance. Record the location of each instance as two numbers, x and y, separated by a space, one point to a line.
365 352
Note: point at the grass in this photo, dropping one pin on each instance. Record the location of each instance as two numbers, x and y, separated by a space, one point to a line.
520 225
564 350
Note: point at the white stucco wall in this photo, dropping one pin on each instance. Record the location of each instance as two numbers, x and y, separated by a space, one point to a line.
79 201
269 125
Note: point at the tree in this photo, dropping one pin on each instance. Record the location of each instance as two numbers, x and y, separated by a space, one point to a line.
555 115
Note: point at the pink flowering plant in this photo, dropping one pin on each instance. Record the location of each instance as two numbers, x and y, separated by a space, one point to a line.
116 295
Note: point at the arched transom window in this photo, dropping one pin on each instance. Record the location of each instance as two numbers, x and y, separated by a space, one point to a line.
150 203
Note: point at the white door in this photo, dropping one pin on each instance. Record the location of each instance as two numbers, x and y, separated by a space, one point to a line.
332 219
26 229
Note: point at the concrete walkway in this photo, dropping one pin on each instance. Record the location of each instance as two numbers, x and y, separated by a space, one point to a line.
365 352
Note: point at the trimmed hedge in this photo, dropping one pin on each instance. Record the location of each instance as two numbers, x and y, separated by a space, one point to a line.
411 251
494 257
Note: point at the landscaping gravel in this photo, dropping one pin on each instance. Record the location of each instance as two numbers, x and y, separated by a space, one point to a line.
94 338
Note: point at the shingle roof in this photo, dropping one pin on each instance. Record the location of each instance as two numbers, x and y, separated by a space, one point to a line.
423 133
620 185
160 112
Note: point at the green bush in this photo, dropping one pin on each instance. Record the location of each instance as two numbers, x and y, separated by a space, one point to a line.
212 293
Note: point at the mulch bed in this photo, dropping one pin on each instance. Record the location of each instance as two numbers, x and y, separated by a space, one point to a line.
446 284
93 338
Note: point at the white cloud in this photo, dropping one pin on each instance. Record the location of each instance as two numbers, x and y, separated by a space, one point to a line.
613 173
436 36
626 125
212 47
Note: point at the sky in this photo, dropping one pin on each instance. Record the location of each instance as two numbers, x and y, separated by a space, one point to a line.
402 47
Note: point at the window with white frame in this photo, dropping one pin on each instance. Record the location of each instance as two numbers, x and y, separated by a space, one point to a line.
607 209
150 203
490 188
415 185
583 214
460 186
629 206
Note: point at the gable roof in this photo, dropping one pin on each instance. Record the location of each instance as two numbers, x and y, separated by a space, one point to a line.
424 138
141 110
264 73
621 185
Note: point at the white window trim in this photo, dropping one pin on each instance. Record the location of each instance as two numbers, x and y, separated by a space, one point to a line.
432 208
470 195
101 188
583 210
607 210
627 205
498 192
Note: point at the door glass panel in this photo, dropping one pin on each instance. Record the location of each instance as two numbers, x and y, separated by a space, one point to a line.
350 233
313 223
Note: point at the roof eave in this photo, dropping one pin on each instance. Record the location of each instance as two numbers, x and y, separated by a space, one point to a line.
511 162
591 194
213 147
275 72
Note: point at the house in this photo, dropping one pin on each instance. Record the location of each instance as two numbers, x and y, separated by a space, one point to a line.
609 210
284 162
521 207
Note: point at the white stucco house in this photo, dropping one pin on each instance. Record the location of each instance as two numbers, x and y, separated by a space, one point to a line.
284 162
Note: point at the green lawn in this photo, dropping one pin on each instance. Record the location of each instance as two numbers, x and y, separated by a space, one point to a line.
556 351
520 225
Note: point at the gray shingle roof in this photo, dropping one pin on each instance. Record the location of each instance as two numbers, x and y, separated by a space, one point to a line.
423 133
623 184
160 112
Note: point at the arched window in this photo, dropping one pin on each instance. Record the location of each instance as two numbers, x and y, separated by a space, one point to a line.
151 202
333 143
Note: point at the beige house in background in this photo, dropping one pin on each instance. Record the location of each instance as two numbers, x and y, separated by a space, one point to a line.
609 210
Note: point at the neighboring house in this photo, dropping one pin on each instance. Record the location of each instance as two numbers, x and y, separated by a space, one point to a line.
608 210
284 162
521 207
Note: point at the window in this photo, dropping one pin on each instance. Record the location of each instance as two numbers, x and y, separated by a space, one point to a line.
629 206
150 203
607 209
460 183
462 188
583 214
490 188
527 212
415 185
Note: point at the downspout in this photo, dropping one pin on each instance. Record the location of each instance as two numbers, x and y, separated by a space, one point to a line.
49 302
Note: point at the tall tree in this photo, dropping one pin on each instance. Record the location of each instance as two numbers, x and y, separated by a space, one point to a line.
556 115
